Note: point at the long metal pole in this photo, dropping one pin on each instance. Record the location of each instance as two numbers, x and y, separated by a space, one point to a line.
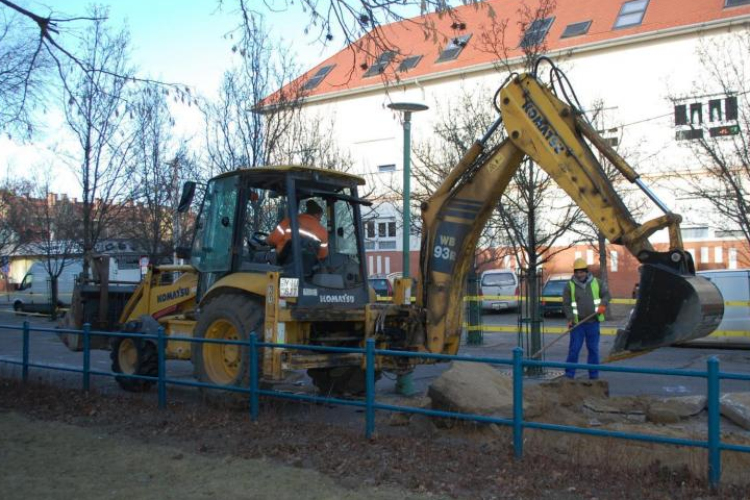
407 192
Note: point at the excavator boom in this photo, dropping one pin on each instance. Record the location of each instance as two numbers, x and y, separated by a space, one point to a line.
674 305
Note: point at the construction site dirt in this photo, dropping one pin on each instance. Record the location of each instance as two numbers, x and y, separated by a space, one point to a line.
62 443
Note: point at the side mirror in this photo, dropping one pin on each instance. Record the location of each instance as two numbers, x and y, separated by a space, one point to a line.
182 252
188 191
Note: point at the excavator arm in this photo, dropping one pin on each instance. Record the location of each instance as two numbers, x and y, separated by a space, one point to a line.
674 305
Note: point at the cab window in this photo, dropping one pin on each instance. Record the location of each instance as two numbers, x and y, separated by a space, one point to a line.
212 246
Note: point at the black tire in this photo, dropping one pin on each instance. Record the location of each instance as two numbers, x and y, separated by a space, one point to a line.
340 381
134 356
229 317
17 305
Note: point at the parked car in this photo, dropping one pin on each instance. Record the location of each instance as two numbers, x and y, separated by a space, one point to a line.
381 285
552 296
734 329
499 288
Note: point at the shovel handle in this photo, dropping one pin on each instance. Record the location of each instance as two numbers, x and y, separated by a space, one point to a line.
566 332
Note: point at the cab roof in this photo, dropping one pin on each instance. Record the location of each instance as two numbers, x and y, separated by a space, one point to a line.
276 174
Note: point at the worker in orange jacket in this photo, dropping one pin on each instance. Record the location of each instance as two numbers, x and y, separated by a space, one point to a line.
309 227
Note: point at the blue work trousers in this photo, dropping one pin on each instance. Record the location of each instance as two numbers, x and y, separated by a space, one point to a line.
590 333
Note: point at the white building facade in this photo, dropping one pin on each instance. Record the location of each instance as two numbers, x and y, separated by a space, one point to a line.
638 61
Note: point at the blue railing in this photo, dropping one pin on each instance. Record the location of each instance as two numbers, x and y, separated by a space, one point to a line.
712 374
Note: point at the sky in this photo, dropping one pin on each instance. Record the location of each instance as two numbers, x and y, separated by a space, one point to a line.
176 41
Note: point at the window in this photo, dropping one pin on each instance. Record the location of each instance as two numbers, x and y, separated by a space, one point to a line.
704 255
732 258
387 168
718 255
736 3
694 232
379 66
731 108
696 113
714 110
318 77
408 63
370 229
387 245
589 257
612 142
631 14
454 48
680 115
576 29
534 34
613 261
729 234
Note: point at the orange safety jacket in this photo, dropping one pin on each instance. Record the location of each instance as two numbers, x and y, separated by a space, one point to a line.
309 227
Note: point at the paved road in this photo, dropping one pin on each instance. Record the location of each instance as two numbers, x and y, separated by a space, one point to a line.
47 349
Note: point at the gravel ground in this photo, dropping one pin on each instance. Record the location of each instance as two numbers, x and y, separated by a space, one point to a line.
59 443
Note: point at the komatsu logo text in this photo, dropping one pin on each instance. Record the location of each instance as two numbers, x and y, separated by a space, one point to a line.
544 127
175 294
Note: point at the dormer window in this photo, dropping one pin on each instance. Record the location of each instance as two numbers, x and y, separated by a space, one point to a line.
318 77
454 48
379 66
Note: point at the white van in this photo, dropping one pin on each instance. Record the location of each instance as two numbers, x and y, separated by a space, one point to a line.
734 329
499 288
34 292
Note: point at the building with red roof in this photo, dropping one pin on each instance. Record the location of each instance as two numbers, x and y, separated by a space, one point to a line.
644 64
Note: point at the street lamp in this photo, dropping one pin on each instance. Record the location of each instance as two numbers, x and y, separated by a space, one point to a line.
407 108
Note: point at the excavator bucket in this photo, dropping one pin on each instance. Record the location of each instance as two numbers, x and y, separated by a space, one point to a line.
671 308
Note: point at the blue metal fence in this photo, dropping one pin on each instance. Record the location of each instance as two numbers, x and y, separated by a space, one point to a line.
712 374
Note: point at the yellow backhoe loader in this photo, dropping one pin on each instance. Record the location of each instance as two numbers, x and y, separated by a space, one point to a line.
236 283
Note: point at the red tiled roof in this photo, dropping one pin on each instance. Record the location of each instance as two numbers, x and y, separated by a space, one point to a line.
410 38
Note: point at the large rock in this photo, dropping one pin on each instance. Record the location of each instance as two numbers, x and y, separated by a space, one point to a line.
672 410
622 409
736 407
473 388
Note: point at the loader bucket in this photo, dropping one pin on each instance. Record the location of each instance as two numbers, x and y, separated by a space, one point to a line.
671 308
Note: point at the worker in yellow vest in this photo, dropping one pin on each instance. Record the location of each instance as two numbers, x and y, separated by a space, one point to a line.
584 296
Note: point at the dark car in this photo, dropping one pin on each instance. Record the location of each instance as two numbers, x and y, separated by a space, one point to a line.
382 287
552 297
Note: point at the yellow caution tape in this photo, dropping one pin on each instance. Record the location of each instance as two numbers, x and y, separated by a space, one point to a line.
562 329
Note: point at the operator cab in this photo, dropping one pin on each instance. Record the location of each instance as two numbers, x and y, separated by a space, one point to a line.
241 209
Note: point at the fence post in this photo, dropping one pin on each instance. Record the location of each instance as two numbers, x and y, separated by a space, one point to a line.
370 388
518 402
714 431
162 382
86 357
25 369
253 367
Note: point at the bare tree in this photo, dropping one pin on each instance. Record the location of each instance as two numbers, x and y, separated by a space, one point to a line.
96 113
56 226
35 51
157 166
722 154
15 229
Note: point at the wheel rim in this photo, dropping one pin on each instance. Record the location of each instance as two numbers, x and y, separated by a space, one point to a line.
222 361
127 356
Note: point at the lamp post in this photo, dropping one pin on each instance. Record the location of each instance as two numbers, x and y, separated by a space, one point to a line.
407 108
